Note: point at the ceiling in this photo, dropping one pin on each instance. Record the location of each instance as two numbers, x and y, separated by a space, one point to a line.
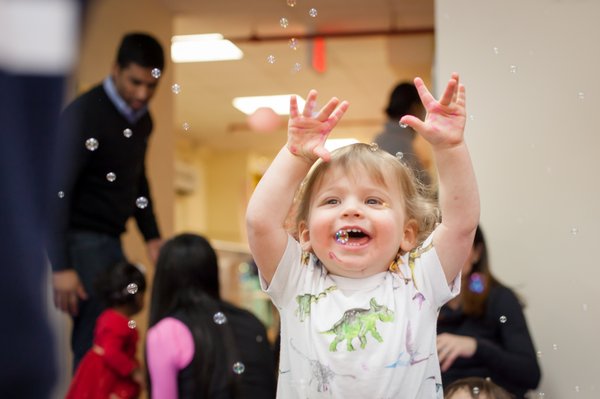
369 47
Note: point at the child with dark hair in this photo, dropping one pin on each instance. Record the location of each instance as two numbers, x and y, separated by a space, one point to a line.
110 369
475 388
199 346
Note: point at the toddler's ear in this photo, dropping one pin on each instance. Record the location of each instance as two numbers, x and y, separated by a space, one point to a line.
411 231
304 237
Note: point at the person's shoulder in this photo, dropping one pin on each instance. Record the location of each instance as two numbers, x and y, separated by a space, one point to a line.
90 98
501 294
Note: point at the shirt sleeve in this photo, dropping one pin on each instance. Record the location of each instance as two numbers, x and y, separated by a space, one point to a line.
287 274
71 157
169 349
429 275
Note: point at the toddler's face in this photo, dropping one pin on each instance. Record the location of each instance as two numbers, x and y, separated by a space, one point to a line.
356 225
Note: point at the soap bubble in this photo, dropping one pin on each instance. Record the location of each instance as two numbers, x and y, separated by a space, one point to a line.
141 202
91 144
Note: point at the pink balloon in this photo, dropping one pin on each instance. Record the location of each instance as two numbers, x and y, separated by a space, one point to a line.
264 120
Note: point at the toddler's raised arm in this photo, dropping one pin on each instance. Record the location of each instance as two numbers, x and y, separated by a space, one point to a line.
272 199
443 128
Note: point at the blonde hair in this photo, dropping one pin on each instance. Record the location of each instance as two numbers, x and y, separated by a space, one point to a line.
477 387
379 164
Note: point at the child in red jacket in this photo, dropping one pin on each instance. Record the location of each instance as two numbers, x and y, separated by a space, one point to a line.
109 370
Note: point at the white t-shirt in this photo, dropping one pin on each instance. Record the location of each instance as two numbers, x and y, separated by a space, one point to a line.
359 338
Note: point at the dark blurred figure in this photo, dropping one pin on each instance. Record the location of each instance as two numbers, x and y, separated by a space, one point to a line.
483 332
404 100
197 345
104 138
38 52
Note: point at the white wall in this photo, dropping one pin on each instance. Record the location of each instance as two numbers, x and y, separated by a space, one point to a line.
534 135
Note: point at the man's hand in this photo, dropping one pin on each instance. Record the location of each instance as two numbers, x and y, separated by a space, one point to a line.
68 290
451 346
153 249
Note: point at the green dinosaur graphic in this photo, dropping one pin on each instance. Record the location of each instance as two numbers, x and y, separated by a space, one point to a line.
356 323
305 300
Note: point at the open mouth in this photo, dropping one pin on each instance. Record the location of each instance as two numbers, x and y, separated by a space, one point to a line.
351 237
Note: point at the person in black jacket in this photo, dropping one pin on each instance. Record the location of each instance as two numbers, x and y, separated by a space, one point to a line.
197 345
104 136
483 331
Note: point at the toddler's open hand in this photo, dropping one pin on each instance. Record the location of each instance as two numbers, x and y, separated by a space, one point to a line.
307 133
444 124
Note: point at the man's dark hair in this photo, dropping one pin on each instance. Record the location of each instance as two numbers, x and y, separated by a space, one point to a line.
141 49
402 98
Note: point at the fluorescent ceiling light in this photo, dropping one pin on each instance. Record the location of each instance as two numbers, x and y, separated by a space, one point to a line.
280 103
334 144
203 48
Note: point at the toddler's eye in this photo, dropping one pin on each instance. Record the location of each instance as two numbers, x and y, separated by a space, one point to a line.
331 201
374 201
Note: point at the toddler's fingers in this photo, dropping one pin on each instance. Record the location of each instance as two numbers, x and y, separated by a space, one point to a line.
311 100
461 96
293 107
327 109
449 92
415 123
424 94
338 113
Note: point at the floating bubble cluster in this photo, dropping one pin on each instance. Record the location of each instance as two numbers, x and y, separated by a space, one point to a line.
111 177
283 22
176 88
156 73
127 133
131 324
312 12
186 126
61 194
271 59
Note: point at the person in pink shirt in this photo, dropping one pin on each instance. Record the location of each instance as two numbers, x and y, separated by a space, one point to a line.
198 345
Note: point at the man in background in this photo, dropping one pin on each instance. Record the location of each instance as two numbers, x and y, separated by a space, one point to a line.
104 137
